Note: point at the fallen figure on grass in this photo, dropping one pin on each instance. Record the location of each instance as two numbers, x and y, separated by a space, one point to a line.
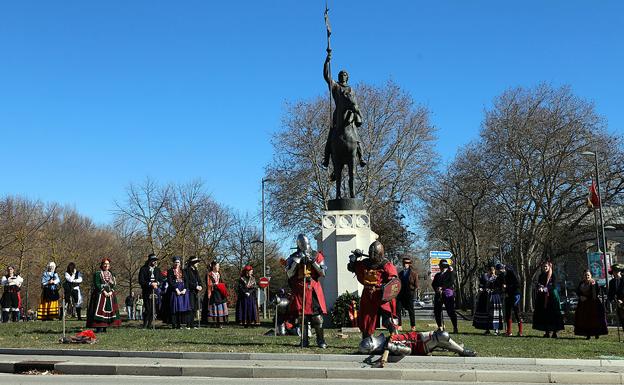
84 337
412 343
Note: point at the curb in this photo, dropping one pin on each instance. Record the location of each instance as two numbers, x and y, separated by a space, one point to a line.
311 357
491 376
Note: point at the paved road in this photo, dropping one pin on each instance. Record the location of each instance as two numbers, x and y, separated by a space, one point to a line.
16 379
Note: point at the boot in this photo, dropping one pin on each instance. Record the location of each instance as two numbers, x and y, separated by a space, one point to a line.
520 328
509 333
14 316
317 324
5 316
78 311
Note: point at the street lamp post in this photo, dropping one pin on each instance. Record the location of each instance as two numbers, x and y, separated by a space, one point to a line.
264 307
602 227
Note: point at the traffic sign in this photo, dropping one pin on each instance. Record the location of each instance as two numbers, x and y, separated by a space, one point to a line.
264 282
434 260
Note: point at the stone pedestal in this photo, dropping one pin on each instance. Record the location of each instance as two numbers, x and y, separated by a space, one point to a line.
343 231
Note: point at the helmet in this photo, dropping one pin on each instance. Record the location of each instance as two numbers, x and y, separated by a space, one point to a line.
376 250
372 344
303 244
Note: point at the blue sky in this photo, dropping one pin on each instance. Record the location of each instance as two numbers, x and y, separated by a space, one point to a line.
95 95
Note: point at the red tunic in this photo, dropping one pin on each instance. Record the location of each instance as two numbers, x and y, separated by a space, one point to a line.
415 340
370 302
312 286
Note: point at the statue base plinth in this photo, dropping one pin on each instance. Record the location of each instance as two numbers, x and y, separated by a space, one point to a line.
345 204
342 231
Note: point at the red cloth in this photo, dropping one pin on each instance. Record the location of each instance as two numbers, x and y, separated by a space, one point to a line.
370 303
222 289
312 286
415 340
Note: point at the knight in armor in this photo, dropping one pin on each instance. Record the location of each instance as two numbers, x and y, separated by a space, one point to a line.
347 111
149 276
307 265
412 343
374 272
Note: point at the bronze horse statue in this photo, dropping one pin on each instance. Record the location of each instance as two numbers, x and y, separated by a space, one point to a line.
343 142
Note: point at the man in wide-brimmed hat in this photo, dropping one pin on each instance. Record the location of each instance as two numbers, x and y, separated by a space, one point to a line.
405 299
149 276
616 290
193 282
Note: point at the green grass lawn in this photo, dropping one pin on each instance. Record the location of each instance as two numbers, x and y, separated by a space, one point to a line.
237 339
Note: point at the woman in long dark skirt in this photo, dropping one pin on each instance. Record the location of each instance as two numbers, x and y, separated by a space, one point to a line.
179 304
246 304
547 315
488 312
589 319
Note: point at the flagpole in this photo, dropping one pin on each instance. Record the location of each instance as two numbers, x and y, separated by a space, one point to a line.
328 28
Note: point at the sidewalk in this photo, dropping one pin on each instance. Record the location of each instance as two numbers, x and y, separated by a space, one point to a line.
321 366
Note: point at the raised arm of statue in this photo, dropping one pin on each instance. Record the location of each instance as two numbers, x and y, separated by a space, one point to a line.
327 70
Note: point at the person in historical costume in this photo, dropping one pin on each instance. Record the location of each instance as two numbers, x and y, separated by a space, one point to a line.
347 112
179 302
405 299
194 287
149 279
71 287
589 318
49 307
488 313
12 284
163 309
373 273
511 290
246 302
215 300
284 324
307 265
103 310
444 287
412 343
616 291
547 314
138 307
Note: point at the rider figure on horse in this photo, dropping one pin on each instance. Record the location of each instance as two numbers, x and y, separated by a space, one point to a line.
347 111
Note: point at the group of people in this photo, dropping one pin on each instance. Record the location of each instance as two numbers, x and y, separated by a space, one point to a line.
177 296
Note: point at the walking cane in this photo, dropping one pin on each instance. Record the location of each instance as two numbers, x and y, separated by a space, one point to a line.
619 321
198 311
153 308
441 311
63 304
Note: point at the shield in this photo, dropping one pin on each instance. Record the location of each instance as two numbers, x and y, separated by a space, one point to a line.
390 289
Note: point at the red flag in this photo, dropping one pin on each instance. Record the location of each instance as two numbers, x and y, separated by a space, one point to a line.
594 198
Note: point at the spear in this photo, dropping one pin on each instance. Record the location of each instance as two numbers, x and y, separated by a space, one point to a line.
328 27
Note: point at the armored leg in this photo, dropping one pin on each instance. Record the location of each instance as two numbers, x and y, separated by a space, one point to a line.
317 324
398 349
443 340
372 345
